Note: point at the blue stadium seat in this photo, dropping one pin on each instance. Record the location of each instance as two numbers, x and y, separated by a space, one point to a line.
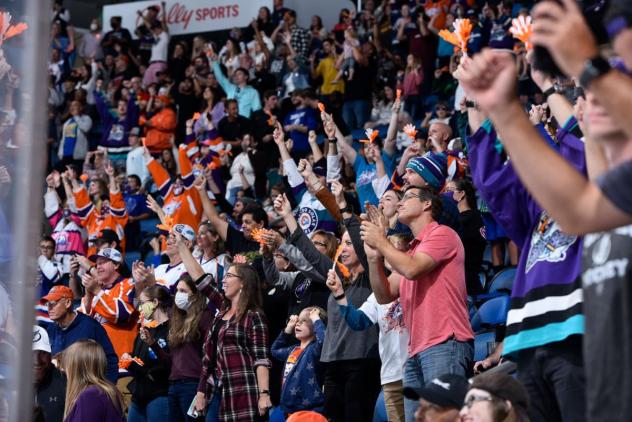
276 415
481 343
502 283
492 313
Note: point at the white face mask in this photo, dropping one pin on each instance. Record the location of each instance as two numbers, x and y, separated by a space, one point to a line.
182 301
94 27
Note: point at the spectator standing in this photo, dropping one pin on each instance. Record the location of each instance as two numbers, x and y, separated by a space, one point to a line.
51 270
150 385
116 36
298 123
160 129
109 299
182 352
430 281
89 395
159 49
247 97
235 369
90 45
300 37
73 144
136 205
116 123
233 126
326 69
473 232
135 161
301 388
359 91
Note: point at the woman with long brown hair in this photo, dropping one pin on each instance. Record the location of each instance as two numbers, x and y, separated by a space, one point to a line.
189 323
89 395
234 381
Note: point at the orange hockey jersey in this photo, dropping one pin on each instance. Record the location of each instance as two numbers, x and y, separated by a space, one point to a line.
114 309
185 208
94 221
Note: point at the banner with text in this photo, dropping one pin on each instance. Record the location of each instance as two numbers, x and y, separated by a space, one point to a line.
189 16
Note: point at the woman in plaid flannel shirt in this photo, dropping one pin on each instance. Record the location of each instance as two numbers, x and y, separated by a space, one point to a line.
234 383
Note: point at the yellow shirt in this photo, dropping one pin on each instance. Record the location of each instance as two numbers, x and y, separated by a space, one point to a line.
327 69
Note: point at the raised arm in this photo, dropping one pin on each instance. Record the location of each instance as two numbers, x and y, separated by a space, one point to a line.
549 178
391 134
332 131
209 210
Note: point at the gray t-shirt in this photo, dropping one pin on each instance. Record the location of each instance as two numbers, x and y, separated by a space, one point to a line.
615 184
607 288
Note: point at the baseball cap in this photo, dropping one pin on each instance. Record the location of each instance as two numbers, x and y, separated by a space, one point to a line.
185 231
56 293
106 236
40 339
109 253
504 387
446 391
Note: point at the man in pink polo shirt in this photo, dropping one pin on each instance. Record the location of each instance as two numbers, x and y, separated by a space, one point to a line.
429 279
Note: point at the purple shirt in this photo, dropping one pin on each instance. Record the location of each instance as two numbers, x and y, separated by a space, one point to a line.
95 406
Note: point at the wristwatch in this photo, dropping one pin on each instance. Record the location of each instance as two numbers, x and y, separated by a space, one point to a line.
593 69
554 89
346 209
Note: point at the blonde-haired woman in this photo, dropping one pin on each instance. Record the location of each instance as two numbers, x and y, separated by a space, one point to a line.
89 395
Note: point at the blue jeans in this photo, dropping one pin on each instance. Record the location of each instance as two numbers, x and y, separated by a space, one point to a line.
356 113
181 394
449 357
212 411
155 410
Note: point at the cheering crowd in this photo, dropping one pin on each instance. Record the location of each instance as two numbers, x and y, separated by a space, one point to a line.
306 224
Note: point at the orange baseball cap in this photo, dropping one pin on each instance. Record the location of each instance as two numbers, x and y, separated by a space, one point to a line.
56 293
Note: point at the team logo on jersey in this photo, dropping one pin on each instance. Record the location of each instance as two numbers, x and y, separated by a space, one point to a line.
548 242
172 207
307 219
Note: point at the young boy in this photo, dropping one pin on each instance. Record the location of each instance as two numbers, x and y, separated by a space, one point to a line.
302 386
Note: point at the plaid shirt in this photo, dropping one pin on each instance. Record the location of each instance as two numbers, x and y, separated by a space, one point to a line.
300 39
240 347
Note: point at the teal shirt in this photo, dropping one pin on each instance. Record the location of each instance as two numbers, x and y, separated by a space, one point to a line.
247 97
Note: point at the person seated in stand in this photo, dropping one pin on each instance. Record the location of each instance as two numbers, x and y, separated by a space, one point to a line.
440 400
69 327
302 382
50 383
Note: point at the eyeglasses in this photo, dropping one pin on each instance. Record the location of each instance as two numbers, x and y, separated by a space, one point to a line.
53 303
469 401
230 275
410 196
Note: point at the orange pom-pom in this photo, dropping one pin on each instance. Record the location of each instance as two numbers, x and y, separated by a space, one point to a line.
398 94
167 225
321 107
84 178
196 116
341 267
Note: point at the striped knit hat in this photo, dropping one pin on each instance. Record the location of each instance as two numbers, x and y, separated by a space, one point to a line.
431 167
